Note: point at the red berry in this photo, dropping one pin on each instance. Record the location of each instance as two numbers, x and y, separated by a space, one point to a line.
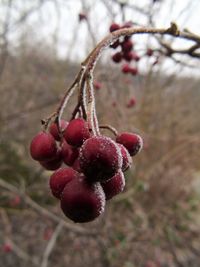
114 104
7 247
59 179
132 142
126 159
15 201
115 44
82 201
69 153
114 27
135 56
117 57
126 68
100 158
47 234
76 165
54 163
127 46
114 186
82 16
77 132
133 71
149 52
54 129
97 85
128 56
131 102
43 147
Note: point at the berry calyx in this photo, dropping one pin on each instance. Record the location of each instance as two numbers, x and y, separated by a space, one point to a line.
54 129
132 142
59 179
43 147
77 132
114 186
69 153
82 201
100 158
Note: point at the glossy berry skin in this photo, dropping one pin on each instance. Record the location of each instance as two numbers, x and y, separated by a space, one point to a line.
114 27
59 179
117 57
54 163
82 201
54 129
114 186
126 158
100 158
43 147
77 132
132 142
69 154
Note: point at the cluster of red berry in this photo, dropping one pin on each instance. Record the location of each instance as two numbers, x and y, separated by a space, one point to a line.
95 165
126 50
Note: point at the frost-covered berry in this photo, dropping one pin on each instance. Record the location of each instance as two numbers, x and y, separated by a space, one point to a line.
43 147
132 142
59 179
77 132
100 158
54 129
114 186
82 201
126 158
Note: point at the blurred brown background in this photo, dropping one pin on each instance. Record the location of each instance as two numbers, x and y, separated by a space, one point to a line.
155 222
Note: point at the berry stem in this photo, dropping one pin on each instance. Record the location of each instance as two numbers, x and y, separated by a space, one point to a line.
89 64
109 127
